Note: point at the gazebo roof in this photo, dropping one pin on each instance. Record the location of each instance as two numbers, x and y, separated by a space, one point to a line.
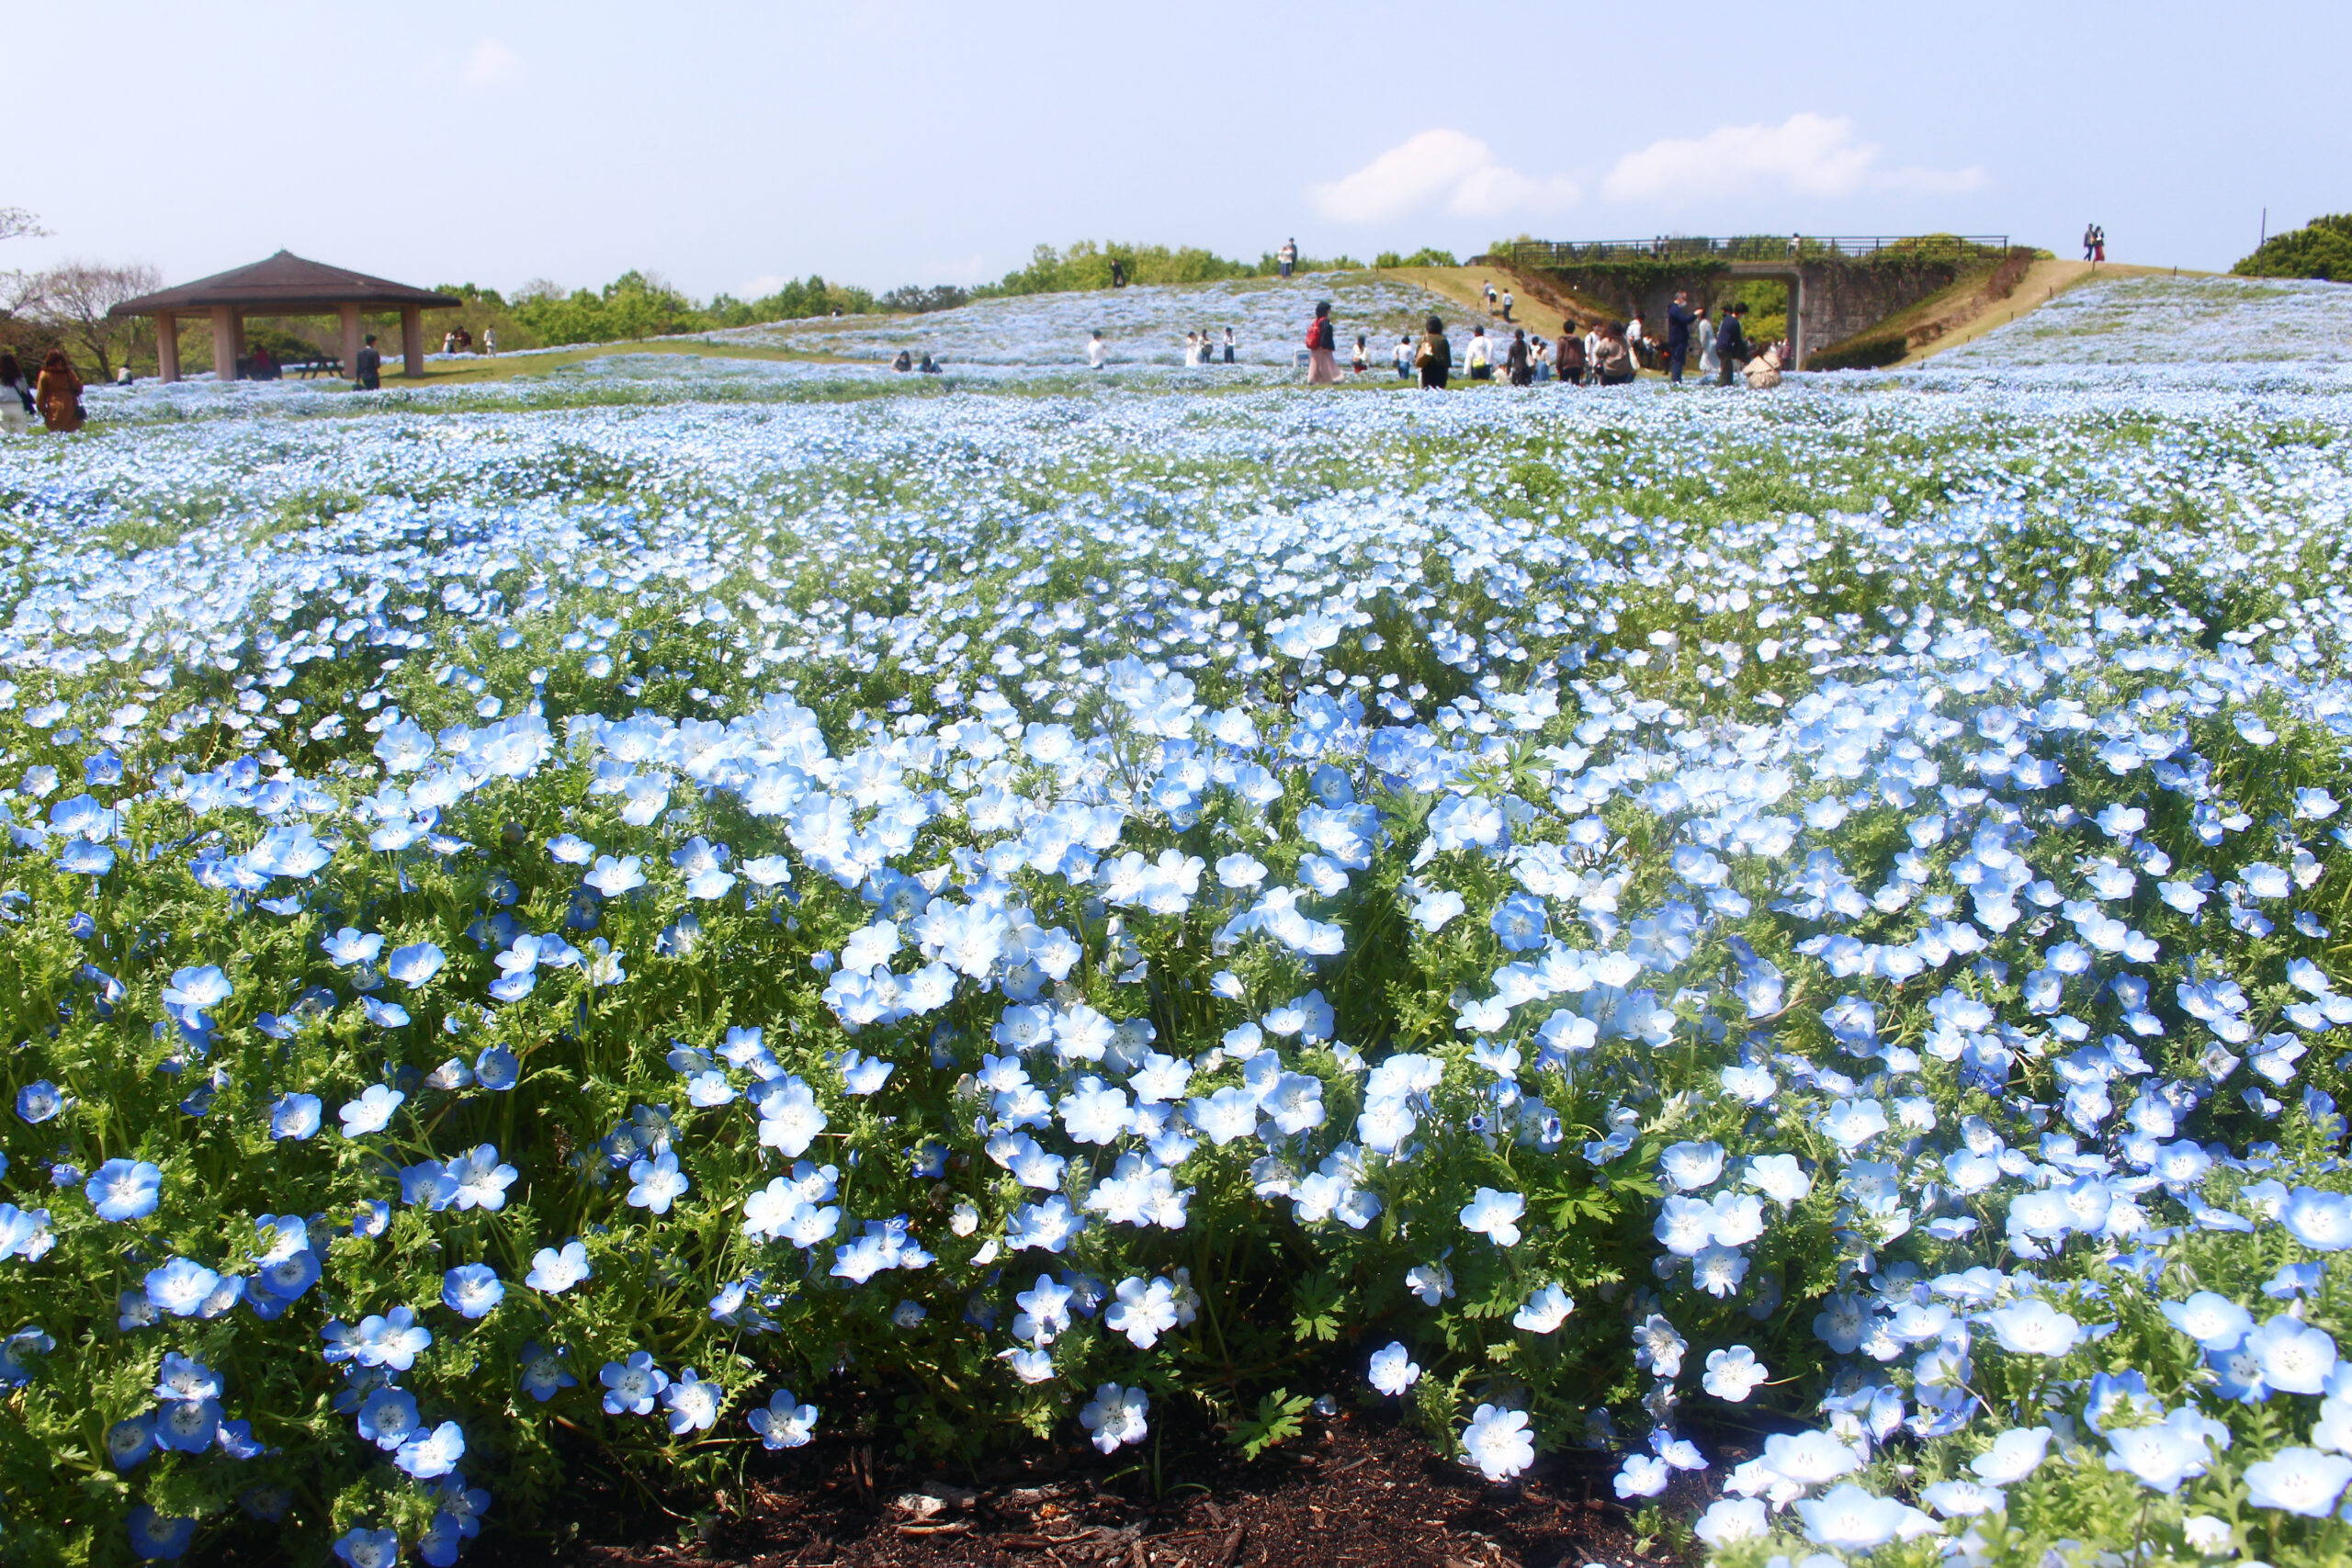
285 284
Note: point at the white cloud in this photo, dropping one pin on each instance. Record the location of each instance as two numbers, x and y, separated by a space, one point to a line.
1807 154
1436 168
492 64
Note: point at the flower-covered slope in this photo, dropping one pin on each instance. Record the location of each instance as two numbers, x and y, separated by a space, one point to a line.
1611 915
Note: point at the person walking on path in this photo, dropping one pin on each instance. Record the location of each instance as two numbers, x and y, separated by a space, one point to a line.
1570 354
1480 359
1489 284
1322 348
1507 303
369 372
1287 257
1434 359
1678 336
1516 364
58 393
1731 346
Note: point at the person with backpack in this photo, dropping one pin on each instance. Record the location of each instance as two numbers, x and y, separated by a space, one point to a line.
1731 344
1615 361
1517 366
1434 359
1570 354
1322 345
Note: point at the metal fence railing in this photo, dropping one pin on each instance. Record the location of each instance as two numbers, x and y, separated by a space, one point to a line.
1749 248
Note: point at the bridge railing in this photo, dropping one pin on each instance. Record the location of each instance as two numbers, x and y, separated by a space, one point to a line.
1750 248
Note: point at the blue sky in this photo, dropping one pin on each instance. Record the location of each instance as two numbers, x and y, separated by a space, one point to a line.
727 145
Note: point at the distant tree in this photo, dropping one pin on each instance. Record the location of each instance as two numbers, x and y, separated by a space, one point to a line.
2322 248
16 223
74 299
916 300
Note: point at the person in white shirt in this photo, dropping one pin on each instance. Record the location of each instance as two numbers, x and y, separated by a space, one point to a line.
1192 348
1229 346
1404 358
1633 338
1507 303
1098 353
1703 332
1480 360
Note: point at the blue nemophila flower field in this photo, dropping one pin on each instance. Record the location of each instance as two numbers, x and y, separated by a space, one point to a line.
1628 922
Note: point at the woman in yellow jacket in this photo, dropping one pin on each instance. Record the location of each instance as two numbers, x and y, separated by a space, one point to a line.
58 392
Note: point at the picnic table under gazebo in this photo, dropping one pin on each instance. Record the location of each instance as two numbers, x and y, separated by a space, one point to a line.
285 284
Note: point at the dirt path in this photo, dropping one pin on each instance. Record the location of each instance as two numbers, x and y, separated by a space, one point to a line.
2043 282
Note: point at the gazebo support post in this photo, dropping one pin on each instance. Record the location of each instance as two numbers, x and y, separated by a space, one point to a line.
168 346
351 342
411 341
224 342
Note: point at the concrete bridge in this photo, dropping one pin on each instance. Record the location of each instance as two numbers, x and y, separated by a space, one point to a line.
1839 285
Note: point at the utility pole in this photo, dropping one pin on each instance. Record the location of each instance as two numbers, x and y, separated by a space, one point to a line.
2266 229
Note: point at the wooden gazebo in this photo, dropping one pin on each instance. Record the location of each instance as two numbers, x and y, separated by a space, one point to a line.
285 284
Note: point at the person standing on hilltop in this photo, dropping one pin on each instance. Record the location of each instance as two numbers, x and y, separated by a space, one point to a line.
1678 336
1322 348
1434 359
1287 257
2098 243
2090 239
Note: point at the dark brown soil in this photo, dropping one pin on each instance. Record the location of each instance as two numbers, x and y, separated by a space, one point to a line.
1353 1488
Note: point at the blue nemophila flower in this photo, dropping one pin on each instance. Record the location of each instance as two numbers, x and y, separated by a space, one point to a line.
181 1286
1848 1518
187 1425
782 1423
2294 1357
38 1100
1519 923
1494 1215
554 1271
2299 1481
1732 1374
1116 1415
472 1290
546 1372
2015 1454
497 1068
632 1386
415 964
2174 1450
2215 1321
125 1190
371 1113
130 1441
389 1418
360 1547
295 1116
693 1403
395 1340
1392 1369
657 1182
431 1455
1641 1475
1499 1442
157 1538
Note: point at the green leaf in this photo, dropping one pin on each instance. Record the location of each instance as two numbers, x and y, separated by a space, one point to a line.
1280 1417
